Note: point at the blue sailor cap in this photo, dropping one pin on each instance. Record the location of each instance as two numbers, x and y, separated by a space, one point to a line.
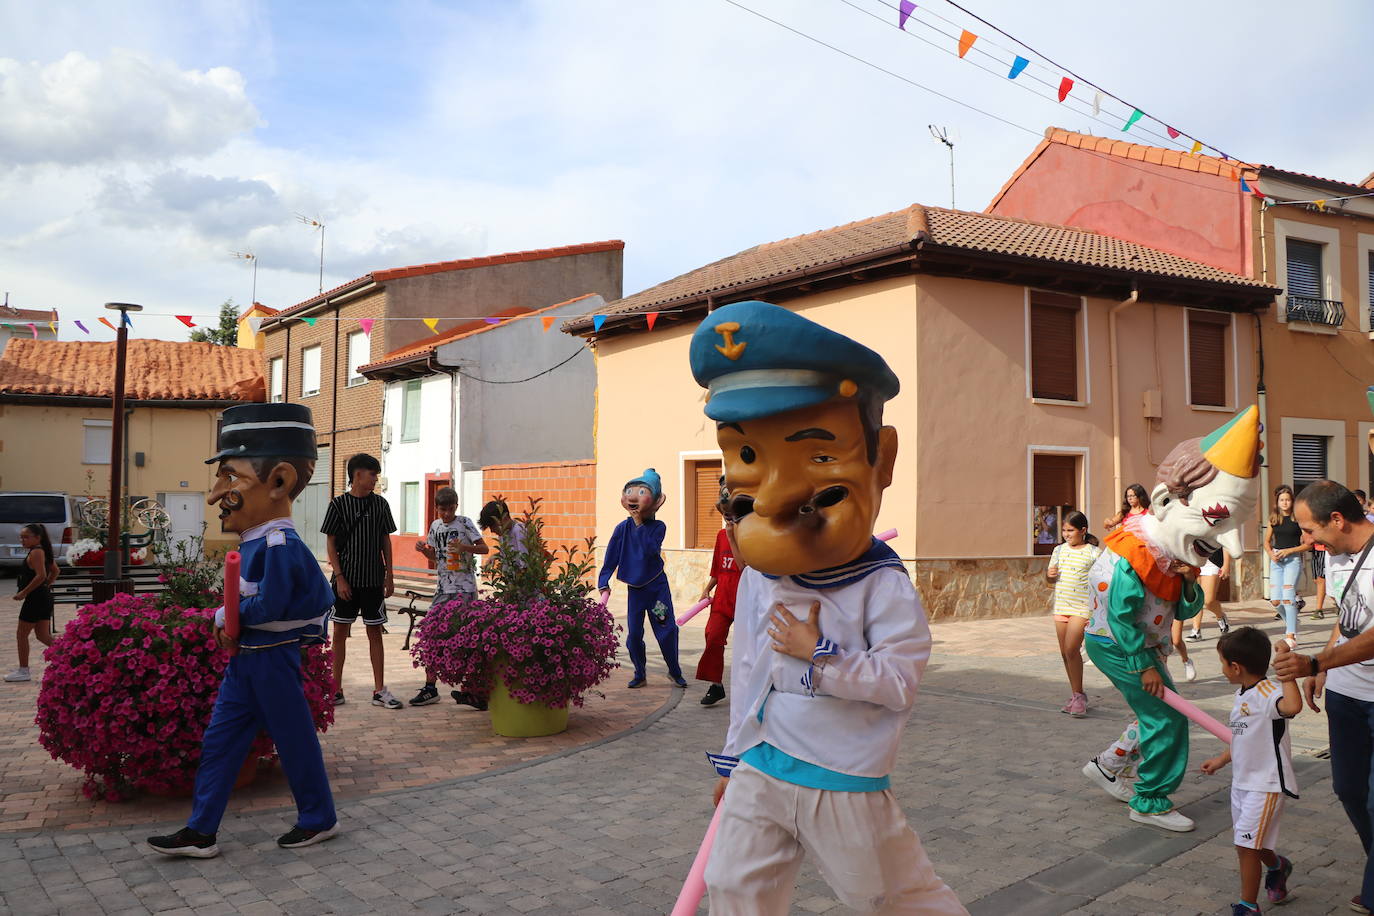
756 359
266 431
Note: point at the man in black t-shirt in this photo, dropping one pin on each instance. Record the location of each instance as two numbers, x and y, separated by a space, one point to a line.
358 524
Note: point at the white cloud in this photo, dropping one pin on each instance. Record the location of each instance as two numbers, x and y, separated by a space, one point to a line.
128 107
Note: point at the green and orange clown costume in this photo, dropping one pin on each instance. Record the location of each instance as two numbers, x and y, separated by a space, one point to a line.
1206 488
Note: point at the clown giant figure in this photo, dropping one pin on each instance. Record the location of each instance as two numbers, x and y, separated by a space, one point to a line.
831 635
1145 578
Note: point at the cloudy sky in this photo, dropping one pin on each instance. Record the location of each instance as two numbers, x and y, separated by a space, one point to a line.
141 141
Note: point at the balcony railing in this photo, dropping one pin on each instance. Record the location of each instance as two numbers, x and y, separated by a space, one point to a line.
1317 311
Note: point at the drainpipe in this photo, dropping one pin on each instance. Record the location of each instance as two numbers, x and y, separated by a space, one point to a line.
1262 396
1113 368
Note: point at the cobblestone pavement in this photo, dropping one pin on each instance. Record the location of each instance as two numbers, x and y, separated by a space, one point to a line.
988 776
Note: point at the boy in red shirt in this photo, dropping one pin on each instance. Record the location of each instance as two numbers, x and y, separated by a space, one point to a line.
725 572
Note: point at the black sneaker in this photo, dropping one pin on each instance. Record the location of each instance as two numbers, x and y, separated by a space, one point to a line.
428 694
185 842
636 683
678 681
714 694
339 699
463 698
297 837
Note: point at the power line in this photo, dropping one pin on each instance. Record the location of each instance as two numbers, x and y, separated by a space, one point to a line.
522 380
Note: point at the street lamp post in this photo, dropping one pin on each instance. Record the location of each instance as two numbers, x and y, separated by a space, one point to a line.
114 583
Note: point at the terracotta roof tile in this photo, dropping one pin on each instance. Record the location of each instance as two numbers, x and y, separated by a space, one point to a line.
156 370
396 273
427 346
263 311
10 313
902 230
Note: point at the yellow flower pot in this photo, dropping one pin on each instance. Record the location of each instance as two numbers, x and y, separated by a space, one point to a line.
513 719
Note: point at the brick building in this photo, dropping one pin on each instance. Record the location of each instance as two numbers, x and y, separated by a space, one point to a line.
314 350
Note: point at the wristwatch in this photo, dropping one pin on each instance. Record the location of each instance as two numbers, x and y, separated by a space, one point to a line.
1314 666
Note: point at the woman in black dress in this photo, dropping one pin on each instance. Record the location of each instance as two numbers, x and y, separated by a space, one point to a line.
38 572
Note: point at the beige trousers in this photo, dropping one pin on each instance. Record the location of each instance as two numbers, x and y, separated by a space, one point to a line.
861 842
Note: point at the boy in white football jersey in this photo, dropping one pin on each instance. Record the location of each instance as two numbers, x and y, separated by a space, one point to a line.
1263 772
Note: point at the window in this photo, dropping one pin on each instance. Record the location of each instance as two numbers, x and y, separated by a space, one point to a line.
358 356
1369 285
1305 269
703 521
1054 346
1309 460
1207 358
97 441
310 371
275 380
410 411
410 507
1054 494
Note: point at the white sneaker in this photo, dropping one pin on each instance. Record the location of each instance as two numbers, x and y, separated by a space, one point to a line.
1189 670
18 674
384 699
1223 624
1118 786
1168 820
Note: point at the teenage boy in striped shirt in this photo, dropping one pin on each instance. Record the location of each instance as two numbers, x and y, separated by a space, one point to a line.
358 524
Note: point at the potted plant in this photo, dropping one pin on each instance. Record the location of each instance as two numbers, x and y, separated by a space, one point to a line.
535 641
130 684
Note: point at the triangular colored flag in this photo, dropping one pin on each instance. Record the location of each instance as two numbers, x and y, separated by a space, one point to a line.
492 320
1017 66
1135 116
186 320
367 324
548 320
256 321
1243 186
310 321
1173 134
81 326
1320 204
432 324
966 41
1064 86
1197 148
1097 104
598 321
125 320
33 327
52 326
105 321
904 11
650 318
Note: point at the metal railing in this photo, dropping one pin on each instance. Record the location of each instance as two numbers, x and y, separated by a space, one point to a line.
1317 311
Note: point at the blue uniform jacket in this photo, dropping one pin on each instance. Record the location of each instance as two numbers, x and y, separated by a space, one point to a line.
283 595
635 554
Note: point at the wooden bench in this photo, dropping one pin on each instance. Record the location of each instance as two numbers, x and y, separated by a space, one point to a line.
76 584
412 586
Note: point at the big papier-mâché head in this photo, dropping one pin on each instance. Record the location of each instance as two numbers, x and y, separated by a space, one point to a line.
266 457
798 411
1207 488
643 495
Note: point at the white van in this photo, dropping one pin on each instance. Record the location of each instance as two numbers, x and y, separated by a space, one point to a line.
54 511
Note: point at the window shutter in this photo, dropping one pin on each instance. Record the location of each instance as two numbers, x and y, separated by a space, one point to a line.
410 411
1309 460
1055 482
1369 282
1054 346
1305 269
1207 357
706 522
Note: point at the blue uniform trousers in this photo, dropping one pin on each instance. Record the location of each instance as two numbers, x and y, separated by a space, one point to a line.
656 600
262 691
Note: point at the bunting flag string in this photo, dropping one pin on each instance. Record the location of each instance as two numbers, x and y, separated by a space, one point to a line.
650 318
548 320
1017 66
52 326
904 13
83 328
1173 134
966 40
34 328
597 322
186 320
1135 116
1097 104
310 321
1197 148
366 324
105 321
432 324
1065 85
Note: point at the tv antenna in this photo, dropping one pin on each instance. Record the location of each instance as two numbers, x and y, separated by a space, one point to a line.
942 134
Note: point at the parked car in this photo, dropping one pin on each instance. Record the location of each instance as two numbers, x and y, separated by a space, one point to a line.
55 511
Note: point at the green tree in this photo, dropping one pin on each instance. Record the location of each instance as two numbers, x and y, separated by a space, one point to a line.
227 334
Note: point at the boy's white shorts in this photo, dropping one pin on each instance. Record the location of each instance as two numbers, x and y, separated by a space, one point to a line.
1256 818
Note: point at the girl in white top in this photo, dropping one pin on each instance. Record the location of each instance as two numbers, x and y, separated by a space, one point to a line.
1069 565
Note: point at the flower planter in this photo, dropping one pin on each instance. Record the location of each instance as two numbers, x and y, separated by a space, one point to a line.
247 774
513 719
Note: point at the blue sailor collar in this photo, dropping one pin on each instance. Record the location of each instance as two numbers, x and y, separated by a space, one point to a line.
878 556
266 528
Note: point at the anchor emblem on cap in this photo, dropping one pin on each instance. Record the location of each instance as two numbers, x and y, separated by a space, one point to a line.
730 350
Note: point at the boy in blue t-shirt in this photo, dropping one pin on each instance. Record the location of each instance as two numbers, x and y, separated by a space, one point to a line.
635 555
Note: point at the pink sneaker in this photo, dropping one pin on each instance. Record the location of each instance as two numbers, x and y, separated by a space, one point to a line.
1069 705
1078 706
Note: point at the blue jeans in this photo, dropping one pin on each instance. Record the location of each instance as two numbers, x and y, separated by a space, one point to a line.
1350 726
1283 588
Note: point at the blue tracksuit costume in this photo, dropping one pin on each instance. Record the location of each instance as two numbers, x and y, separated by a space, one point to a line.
284 598
635 555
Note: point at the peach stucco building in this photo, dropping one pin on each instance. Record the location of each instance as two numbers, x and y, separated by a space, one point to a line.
1311 237
1000 331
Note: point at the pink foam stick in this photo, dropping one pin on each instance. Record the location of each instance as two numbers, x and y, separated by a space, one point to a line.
695 886
1197 716
605 598
887 535
232 566
694 610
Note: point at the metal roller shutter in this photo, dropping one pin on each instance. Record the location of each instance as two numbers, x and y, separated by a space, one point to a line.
1309 460
1305 269
1207 357
1054 346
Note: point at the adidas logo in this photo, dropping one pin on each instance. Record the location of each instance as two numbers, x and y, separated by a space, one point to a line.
1247 836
